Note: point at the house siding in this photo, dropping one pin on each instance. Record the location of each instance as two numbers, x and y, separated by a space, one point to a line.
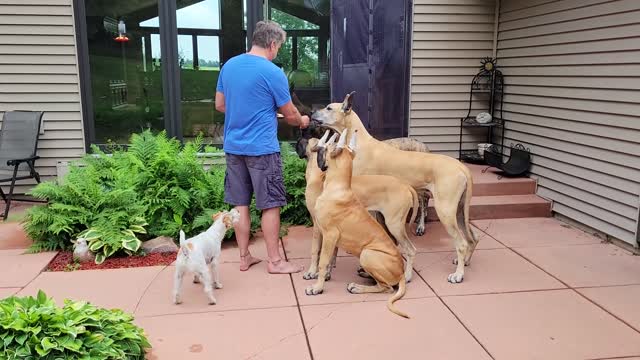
38 71
572 74
449 40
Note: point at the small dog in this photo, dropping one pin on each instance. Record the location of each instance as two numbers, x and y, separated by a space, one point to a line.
200 255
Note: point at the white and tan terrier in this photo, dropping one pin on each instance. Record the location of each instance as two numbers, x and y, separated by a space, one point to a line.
201 253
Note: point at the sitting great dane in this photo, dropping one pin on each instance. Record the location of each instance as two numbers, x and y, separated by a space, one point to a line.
346 223
389 195
448 180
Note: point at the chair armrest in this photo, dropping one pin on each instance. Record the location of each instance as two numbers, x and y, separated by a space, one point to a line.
13 162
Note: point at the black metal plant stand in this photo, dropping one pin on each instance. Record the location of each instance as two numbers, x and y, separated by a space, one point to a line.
488 80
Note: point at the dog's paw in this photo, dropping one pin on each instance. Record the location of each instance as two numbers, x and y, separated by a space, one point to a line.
311 290
177 300
327 276
310 275
217 285
455 278
351 287
420 231
408 276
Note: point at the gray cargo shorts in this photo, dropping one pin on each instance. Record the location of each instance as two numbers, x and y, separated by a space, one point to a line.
261 175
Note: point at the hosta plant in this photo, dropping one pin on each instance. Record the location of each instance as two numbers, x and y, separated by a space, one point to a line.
35 328
106 243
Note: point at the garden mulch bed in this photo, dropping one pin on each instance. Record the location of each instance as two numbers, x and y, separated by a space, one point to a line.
64 262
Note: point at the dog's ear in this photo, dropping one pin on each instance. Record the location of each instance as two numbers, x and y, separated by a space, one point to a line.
348 102
353 143
227 220
216 215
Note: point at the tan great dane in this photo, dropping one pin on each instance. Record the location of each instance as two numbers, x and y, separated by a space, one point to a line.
387 194
403 143
448 180
346 223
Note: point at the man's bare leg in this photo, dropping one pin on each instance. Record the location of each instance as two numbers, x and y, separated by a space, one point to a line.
271 232
242 229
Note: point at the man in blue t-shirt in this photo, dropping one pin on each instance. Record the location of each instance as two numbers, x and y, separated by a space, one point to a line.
251 89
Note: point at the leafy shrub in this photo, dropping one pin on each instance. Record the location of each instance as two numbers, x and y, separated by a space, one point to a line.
293 168
35 328
154 187
89 198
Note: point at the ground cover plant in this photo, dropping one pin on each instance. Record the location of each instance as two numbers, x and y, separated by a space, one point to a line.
35 328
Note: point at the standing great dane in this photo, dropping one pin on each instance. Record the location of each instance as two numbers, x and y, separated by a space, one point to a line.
346 223
404 143
448 180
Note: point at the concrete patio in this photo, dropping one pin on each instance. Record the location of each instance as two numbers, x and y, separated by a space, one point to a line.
537 289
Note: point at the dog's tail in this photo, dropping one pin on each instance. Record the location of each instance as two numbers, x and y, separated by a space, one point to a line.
184 247
462 215
402 289
416 204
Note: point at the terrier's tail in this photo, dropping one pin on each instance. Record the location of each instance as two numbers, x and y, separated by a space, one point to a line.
402 289
185 247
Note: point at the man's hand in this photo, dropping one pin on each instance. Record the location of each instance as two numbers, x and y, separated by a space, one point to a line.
304 121
292 116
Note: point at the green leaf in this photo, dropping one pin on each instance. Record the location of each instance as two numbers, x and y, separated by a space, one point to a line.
100 258
131 244
20 339
96 245
48 343
138 229
91 234
42 297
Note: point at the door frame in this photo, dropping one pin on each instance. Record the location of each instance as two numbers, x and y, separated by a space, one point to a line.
171 81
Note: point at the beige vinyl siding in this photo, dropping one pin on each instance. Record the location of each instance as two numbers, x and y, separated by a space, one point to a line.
38 71
572 75
449 40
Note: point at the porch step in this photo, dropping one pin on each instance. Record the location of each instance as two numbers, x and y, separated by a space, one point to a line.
503 207
522 186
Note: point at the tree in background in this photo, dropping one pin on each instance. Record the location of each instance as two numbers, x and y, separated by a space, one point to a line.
307 46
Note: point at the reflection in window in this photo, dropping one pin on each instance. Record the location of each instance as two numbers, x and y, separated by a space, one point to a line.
199 54
304 55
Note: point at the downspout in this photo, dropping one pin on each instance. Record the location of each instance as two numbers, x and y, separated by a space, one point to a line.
496 19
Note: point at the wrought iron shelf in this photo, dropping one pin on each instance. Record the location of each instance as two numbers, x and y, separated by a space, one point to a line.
489 80
470 121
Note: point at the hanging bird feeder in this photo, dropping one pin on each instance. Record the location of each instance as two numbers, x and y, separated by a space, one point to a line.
122 30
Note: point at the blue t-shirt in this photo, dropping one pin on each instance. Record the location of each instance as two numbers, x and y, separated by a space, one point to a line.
254 88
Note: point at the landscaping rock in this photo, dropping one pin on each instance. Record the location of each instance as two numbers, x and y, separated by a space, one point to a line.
161 244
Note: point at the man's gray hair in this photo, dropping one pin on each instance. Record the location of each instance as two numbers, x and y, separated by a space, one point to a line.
266 32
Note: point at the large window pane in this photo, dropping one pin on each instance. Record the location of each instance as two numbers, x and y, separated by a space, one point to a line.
199 53
126 81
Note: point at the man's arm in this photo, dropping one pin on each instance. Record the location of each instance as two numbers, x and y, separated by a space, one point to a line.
292 116
220 101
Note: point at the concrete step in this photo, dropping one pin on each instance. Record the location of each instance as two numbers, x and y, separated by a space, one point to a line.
503 207
523 186
489 183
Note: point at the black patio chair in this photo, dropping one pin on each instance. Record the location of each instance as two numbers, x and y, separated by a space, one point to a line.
18 146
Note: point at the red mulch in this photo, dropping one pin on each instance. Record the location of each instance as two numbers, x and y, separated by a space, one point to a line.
64 262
